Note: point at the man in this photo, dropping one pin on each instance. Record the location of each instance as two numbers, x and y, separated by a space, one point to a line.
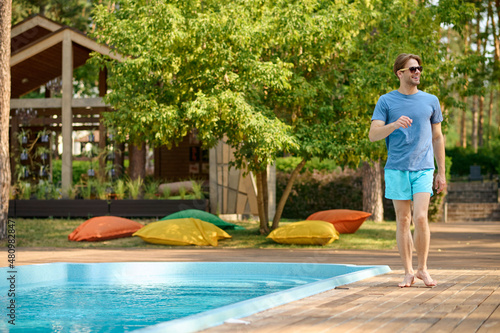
410 122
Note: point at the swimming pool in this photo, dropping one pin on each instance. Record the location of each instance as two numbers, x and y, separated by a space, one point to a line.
161 297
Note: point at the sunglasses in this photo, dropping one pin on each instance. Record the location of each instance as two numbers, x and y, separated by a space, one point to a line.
413 69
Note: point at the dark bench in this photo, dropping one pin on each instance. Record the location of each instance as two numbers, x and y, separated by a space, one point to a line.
475 173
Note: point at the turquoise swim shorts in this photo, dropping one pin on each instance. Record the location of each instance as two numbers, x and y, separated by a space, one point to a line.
401 185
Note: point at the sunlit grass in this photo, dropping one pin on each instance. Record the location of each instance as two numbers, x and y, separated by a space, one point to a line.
53 233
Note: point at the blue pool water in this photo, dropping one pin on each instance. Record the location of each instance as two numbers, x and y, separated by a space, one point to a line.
160 297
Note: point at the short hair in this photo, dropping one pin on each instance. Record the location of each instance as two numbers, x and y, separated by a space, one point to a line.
402 59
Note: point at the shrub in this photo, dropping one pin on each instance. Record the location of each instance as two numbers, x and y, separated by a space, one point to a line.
79 168
316 191
463 158
287 164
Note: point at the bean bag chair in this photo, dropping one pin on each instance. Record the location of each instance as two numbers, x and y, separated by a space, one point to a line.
204 216
186 231
305 233
104 227
346 221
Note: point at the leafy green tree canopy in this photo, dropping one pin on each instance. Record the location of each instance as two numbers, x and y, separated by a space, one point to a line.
192 64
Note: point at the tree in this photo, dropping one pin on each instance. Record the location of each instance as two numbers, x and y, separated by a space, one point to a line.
391 28
316 37
284 60
278 76
195 65
74 13
476 49
5 17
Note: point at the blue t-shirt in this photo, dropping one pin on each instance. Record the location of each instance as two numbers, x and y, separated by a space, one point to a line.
409 149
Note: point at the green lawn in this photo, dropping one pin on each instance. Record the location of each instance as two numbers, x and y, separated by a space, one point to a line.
54 233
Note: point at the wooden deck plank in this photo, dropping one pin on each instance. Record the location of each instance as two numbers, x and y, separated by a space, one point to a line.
443 321
295 315
479 316
372 309
376 305
492 324
456 309
407 313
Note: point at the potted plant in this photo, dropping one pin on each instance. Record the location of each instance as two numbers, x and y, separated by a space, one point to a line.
151 208
43 152
151 190
44 135
24 155
43 171
23 136
135 187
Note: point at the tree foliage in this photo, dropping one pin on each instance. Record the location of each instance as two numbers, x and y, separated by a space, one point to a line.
271 76
194 64
74 13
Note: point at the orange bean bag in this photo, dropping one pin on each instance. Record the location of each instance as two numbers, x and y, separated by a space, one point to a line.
104 227
345 221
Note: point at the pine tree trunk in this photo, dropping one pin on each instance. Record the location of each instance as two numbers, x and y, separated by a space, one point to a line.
137 165
480 99
265 195
5 175
490 118
480 128
463 128
475 113
118 162
372 191
286 194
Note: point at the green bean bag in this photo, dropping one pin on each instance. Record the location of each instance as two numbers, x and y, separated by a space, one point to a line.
204 216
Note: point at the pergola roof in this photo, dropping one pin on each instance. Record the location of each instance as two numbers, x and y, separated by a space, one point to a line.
42 50
36 52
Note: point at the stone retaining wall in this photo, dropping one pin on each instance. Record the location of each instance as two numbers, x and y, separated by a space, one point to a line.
470 212
472 201
472 192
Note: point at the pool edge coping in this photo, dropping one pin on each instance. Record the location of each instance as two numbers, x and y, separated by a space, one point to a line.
219 316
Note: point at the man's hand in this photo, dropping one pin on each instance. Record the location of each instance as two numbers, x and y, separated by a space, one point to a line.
440 183
403 122
380 130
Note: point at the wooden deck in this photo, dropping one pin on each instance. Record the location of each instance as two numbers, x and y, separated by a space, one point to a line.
464 301
464 259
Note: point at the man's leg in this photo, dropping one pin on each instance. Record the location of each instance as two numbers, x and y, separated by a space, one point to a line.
422 236
404 239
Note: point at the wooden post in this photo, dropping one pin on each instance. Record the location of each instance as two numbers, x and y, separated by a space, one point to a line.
67 113
102 128
5 92
14 146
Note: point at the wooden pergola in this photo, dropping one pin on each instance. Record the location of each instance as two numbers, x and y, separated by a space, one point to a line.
43 50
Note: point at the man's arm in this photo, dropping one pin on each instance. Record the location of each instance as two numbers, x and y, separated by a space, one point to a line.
439 152
379 130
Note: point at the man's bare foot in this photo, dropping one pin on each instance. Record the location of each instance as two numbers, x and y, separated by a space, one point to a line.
424 276
408 281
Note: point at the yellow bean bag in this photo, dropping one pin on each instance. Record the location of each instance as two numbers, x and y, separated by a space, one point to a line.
187 231
305 233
